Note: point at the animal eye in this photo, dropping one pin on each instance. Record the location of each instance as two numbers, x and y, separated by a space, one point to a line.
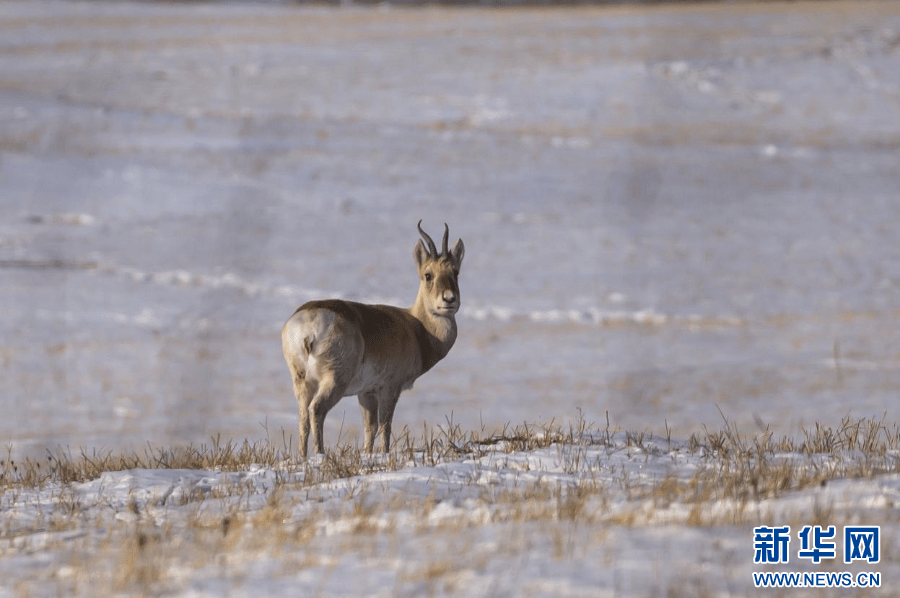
428 277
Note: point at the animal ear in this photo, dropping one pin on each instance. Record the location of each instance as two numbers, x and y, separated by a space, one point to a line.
420 253
457 253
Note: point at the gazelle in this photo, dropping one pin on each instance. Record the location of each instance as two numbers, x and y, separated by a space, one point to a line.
337 348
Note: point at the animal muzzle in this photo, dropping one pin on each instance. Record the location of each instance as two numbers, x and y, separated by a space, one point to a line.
449 302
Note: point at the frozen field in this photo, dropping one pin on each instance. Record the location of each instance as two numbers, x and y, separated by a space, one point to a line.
670 214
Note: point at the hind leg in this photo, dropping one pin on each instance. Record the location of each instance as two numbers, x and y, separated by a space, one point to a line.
304 391
327 396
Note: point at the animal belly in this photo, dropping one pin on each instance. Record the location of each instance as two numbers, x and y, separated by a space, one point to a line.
366 379
374 375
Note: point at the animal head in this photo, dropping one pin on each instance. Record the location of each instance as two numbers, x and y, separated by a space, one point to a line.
439 273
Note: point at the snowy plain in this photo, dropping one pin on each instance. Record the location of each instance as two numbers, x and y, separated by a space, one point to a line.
670 213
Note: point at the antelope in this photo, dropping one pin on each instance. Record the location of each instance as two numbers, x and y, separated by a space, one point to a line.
336 348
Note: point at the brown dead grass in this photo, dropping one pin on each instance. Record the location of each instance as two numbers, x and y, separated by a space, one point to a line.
736 475
742 466
138 556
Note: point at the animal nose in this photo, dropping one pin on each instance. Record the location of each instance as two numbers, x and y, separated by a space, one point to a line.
448 296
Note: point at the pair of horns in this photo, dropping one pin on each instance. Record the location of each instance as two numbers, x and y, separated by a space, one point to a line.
431 248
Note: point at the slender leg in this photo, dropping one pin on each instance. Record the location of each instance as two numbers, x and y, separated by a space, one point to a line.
368 404
303 438
303 391
387 401
327 396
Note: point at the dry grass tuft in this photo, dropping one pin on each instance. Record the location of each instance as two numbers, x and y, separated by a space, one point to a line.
736 467
63 467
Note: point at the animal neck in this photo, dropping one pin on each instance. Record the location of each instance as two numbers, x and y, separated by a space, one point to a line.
441 330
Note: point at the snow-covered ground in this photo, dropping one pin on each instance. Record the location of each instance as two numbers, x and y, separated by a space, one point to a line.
670 213
596 515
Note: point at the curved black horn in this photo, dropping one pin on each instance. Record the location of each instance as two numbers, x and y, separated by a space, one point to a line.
446 238
431 248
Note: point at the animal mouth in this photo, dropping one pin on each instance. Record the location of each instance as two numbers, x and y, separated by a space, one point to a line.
446 310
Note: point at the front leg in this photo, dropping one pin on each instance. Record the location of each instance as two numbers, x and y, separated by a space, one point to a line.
387 401
368 404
